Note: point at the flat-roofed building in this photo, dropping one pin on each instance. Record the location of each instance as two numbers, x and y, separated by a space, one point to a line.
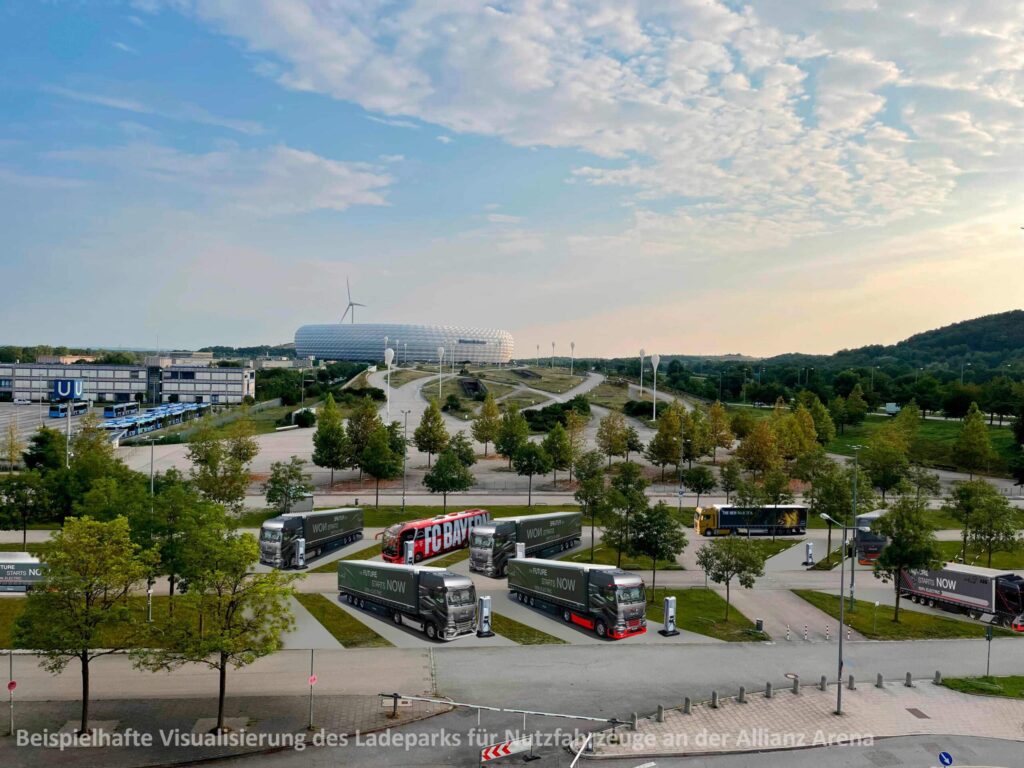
206 384
105 383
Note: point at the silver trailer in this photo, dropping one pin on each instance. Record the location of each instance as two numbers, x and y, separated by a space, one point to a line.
603 598
494 544
994 595
318 531
439 603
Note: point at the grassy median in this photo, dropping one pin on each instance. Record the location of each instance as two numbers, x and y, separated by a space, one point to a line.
521 633
703 611
450 559
913 625
1011 687
1010 561
363 554
347 629
608 556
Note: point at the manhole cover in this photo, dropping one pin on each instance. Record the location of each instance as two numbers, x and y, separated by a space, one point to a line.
918 713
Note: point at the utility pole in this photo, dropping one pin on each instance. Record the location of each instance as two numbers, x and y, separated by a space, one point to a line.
405 454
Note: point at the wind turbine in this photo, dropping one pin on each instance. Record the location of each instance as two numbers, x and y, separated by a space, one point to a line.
351 304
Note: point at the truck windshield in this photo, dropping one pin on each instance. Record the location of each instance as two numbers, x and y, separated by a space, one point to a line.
270 534
461 596
481 540
629 595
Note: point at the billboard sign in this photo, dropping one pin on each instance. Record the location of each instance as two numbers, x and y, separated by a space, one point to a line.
67 389
18 571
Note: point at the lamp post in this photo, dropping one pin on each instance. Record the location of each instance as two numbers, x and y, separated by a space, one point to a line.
385 344
538 356
641 373
719 386
405 353
655 359
572 356
853 561
552 355
389 355
405 453
440 359
963 365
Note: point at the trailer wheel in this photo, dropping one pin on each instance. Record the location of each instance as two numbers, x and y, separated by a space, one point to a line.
975 615
361 603
531 601
931 603
566 616
600 629
397 618
431 631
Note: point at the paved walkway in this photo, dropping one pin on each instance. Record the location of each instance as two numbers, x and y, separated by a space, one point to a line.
808 719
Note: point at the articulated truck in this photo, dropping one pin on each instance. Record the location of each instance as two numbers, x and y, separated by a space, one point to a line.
603 598
439 603
289 540
997 596
727 520
494 544
432 536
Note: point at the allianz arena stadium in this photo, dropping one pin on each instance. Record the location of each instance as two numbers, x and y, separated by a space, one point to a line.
412 343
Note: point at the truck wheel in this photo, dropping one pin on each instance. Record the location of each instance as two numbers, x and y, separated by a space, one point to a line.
431 631
417 557
600 629
531 601
931 603
361 603
396 617
566 616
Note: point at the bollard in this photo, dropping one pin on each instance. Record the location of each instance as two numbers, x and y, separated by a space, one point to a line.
827 638
634 722
849 633
796 685
878 682
823 684
787 633
805 632
938 678
768 690
852 686
910 681
687 706
714 699
742 698
660 717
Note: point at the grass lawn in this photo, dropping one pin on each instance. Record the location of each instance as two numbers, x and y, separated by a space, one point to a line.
1011 687
521 633
525 400
363 554
1011 561
32 549
772 548
450 559
10 607
703 611
913 625
405 375
609 396
551 379
347 629
608 556
827 563
934 444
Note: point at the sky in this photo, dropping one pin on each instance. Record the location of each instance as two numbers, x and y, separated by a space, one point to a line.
686 176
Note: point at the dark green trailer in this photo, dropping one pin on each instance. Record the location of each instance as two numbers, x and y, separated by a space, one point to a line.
494 544
439 603
603 598
319 531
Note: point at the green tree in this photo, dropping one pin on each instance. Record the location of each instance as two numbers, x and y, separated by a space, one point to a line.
729 478
431 436
575 428
666 446
911 544
448 475
885 460
657 534
775 486
79 610
12 447
244 615
380 461
996 525
531 459
590 493
626 497
331 446
837 410
461 446
287 484
741 423
759 450
633 442
824 426
699 480
220 461
512 435
23 501
696 436
611 435
718 429
833 494
973 447
46 450
919 481
856 406
363 422
487 423
723 560
559 450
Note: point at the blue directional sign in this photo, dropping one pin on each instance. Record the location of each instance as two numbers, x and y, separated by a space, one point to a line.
67 389
945 758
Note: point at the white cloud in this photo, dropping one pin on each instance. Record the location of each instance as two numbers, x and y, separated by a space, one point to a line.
279 180
445 139
391 158
503 218
124 47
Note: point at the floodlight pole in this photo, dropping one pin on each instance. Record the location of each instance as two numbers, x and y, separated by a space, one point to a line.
572 356
641 374
655 360
405 454
440 360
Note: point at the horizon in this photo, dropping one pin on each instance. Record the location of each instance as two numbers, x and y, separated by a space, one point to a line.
769 177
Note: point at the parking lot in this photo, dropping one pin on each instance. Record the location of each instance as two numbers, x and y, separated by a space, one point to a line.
29 417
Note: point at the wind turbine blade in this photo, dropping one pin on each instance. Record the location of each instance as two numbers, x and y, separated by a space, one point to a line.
346 313
356 304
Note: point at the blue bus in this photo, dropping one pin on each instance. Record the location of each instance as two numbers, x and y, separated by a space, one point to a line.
60 410
119 410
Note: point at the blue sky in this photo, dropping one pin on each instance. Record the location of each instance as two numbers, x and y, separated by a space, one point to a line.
688 176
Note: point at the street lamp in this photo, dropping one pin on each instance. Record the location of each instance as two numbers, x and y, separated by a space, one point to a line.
538 356
641 373
655 359
552 355
405 453
572 355
389 355
440 359
385 342
962 366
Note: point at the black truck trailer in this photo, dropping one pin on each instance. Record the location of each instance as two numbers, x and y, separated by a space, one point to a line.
493 544
319 531
982 593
